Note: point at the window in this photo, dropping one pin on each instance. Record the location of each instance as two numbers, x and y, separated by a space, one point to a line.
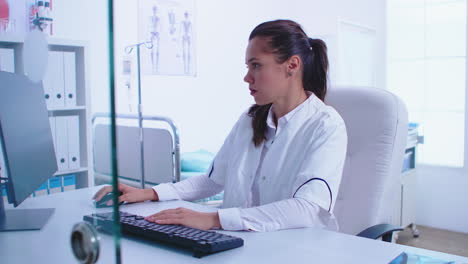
426 68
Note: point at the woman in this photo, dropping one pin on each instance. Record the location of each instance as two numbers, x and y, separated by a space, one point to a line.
280 167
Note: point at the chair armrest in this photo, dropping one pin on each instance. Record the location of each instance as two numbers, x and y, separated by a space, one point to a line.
382 230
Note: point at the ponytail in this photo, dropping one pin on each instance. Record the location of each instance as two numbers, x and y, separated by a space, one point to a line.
314 76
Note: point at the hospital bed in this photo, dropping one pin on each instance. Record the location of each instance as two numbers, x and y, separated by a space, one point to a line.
160 144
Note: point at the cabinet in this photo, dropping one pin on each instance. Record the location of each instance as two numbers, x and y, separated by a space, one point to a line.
409 181
67 96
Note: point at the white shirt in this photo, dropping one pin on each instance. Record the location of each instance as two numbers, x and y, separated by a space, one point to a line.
290 181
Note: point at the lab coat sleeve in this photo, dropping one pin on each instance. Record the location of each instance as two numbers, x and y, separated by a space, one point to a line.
319 177
284 214
218 168
193 188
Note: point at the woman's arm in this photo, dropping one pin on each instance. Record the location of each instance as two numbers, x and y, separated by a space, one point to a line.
284 214
193 188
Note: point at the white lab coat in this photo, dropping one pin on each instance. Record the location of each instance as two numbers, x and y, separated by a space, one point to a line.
305 155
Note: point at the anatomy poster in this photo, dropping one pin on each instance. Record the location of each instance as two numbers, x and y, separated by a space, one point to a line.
169 26
21 16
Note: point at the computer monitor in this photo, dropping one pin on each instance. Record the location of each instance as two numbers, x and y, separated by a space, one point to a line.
27 147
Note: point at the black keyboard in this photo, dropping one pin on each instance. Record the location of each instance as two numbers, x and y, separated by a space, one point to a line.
200 241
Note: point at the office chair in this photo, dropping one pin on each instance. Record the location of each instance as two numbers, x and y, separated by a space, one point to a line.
368 202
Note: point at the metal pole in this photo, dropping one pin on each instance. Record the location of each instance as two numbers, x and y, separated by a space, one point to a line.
129 49
140 122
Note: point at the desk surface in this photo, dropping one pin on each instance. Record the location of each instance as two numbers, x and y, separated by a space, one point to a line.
309 245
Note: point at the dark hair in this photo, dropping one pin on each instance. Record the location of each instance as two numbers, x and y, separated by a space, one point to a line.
285 39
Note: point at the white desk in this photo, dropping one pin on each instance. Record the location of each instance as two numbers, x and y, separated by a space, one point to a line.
52 243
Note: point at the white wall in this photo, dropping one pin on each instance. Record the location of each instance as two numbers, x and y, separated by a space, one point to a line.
87 20
206 106
442 200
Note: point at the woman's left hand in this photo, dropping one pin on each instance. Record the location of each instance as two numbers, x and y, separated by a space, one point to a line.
186 217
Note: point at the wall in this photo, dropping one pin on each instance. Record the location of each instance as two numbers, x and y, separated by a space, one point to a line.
206 106
87 20
441 198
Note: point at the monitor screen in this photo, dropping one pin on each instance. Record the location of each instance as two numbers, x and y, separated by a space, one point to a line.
26 137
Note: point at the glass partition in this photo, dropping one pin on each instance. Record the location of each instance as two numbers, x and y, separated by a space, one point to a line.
56 74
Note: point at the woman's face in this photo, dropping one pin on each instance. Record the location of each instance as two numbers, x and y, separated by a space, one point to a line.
267 79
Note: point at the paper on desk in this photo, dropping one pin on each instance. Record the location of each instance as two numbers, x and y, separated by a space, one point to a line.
408 258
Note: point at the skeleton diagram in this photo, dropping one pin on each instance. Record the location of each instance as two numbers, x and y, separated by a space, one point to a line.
155 36
186 41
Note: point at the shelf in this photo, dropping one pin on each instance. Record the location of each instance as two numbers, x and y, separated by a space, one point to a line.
72 108
19 39
11 38
79 108
60 173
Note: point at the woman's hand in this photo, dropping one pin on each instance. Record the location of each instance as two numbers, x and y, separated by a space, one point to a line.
186 217
129 194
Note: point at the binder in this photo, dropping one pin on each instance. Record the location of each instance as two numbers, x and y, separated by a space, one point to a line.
69 182
61 140
4 194
69 78
2 162
42 190
52 129
55 185
54 81
47 86
73 142
7 60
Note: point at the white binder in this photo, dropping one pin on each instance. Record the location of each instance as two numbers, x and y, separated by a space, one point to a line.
52 129
7 60
54 81
61 137
69 78
47 86
73 142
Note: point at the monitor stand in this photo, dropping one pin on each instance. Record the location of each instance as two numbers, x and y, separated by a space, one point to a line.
23 219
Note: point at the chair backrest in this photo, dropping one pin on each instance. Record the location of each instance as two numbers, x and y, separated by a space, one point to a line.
159 154
377 126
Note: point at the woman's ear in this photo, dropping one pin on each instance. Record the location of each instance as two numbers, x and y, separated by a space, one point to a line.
293 64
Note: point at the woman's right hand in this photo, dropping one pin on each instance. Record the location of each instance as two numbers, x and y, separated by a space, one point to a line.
129 194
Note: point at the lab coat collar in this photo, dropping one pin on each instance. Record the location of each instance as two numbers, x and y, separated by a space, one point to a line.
283 121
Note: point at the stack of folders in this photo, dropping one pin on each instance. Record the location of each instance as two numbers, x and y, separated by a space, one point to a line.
60 80
66 135
4 194
57 184
413 137
60 93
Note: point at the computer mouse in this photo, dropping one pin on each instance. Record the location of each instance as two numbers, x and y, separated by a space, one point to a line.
103 202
